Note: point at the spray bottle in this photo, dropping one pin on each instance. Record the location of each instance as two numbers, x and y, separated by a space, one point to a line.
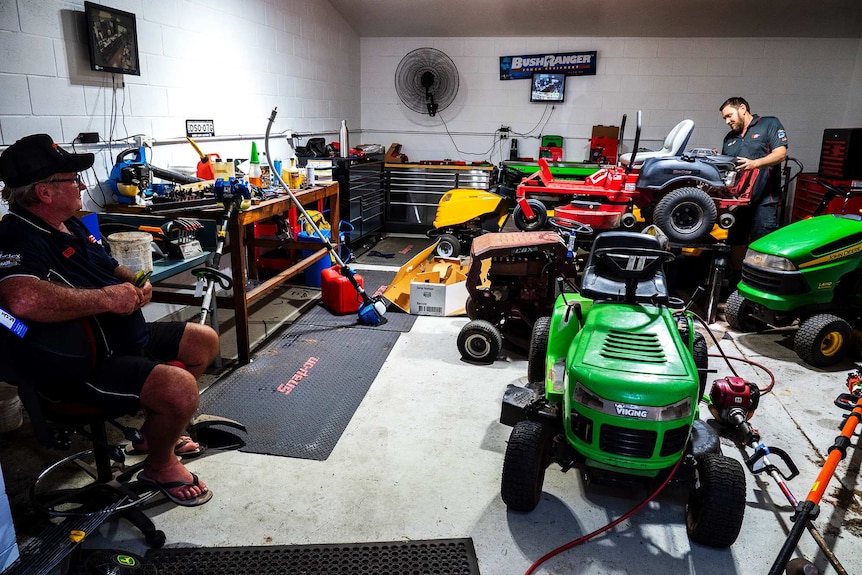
254 171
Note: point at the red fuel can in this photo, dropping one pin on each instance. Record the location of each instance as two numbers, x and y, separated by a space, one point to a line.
337 292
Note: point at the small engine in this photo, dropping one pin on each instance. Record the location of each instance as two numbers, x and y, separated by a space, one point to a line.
733 400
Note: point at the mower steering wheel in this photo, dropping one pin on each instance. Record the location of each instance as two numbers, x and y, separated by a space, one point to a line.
632 262
570 226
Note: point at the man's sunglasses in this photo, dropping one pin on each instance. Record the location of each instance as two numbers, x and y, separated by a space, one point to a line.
77 179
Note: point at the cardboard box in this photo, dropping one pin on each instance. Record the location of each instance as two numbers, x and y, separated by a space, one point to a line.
606 132
438 299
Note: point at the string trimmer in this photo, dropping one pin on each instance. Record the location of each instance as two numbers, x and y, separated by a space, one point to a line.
810 508
733 401
372 309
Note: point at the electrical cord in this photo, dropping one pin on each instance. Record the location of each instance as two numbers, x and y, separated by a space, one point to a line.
609 526
728 359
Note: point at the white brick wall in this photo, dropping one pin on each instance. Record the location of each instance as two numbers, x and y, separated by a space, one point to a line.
809 83
229 60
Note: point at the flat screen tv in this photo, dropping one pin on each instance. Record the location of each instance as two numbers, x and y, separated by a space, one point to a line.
547 87
113 39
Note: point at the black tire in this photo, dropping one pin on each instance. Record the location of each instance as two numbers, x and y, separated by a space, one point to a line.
716 502
737 312
537 354
470 308
700 351
527 457
480 341
685 215
448 246
537 223
822 339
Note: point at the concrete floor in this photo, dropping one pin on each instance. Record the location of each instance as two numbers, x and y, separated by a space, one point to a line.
422 458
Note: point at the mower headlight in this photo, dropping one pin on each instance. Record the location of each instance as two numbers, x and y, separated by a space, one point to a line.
677 410
587 398
446 197
766 261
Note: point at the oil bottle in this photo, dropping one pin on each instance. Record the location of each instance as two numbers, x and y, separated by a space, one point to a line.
254 171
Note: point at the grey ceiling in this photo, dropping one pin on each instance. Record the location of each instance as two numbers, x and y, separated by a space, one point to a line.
604 18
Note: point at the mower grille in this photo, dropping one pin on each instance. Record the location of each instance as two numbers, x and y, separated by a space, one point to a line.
772 282
674 440
627 442
640 347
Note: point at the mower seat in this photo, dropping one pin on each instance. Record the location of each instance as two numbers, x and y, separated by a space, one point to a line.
674 144
616 272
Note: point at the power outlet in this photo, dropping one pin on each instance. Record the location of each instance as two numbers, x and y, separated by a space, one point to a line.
504 132
142 140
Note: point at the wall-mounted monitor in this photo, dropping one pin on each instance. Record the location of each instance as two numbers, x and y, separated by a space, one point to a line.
113 39
547 87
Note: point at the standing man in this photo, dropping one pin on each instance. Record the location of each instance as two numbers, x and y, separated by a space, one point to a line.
52 271
758 142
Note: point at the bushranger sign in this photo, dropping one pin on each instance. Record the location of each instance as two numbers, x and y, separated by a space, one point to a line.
569 63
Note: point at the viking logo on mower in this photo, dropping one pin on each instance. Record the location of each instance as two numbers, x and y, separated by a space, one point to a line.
631 411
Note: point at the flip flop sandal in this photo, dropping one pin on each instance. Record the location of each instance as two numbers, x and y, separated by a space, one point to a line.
182 442
163 487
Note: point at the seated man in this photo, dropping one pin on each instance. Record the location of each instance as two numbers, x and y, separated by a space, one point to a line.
53 270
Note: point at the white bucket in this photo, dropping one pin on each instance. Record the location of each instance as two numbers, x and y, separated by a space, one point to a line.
11 411
132 249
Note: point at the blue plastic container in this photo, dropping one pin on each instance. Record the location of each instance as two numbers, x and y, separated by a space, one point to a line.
312 272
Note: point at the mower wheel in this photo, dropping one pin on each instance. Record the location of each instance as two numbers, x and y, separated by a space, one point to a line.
537 223
737 312
822 339
701 359
480 341
537 354
448 246
685 215
716 502
527 456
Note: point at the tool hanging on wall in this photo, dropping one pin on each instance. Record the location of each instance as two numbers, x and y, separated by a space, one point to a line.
372 309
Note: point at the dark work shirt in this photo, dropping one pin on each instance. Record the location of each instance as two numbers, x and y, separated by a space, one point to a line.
30 247
764 134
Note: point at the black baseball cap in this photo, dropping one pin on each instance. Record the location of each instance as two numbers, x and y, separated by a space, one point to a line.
34 158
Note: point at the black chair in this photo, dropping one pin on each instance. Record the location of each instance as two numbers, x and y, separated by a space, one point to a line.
627 267
89 482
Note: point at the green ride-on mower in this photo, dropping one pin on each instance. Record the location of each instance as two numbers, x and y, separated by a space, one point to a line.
616 376
808 272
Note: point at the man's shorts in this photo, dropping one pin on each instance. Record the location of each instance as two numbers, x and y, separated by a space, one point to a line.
116 382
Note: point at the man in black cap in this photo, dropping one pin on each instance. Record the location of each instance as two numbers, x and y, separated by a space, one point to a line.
53 270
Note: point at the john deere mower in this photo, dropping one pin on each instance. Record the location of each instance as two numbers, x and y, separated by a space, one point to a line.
616 375
810 273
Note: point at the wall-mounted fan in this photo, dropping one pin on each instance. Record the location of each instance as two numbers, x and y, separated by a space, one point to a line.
426 80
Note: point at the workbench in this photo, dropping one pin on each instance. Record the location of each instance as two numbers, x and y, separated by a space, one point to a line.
241 246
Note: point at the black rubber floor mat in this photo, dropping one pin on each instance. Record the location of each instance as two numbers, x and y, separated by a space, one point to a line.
302 389
394 251
436 556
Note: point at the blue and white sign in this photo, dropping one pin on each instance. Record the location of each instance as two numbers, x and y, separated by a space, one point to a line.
568 63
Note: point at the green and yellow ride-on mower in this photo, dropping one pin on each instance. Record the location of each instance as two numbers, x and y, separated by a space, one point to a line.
808 273
616 376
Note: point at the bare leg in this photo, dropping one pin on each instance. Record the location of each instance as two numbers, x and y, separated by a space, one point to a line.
199 346
170 396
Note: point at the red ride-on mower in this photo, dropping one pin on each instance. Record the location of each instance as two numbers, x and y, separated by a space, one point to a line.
685 194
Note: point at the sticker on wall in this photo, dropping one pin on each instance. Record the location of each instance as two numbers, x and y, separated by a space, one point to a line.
568 63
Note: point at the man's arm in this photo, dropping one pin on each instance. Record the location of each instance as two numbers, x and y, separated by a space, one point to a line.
30 298
773 158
